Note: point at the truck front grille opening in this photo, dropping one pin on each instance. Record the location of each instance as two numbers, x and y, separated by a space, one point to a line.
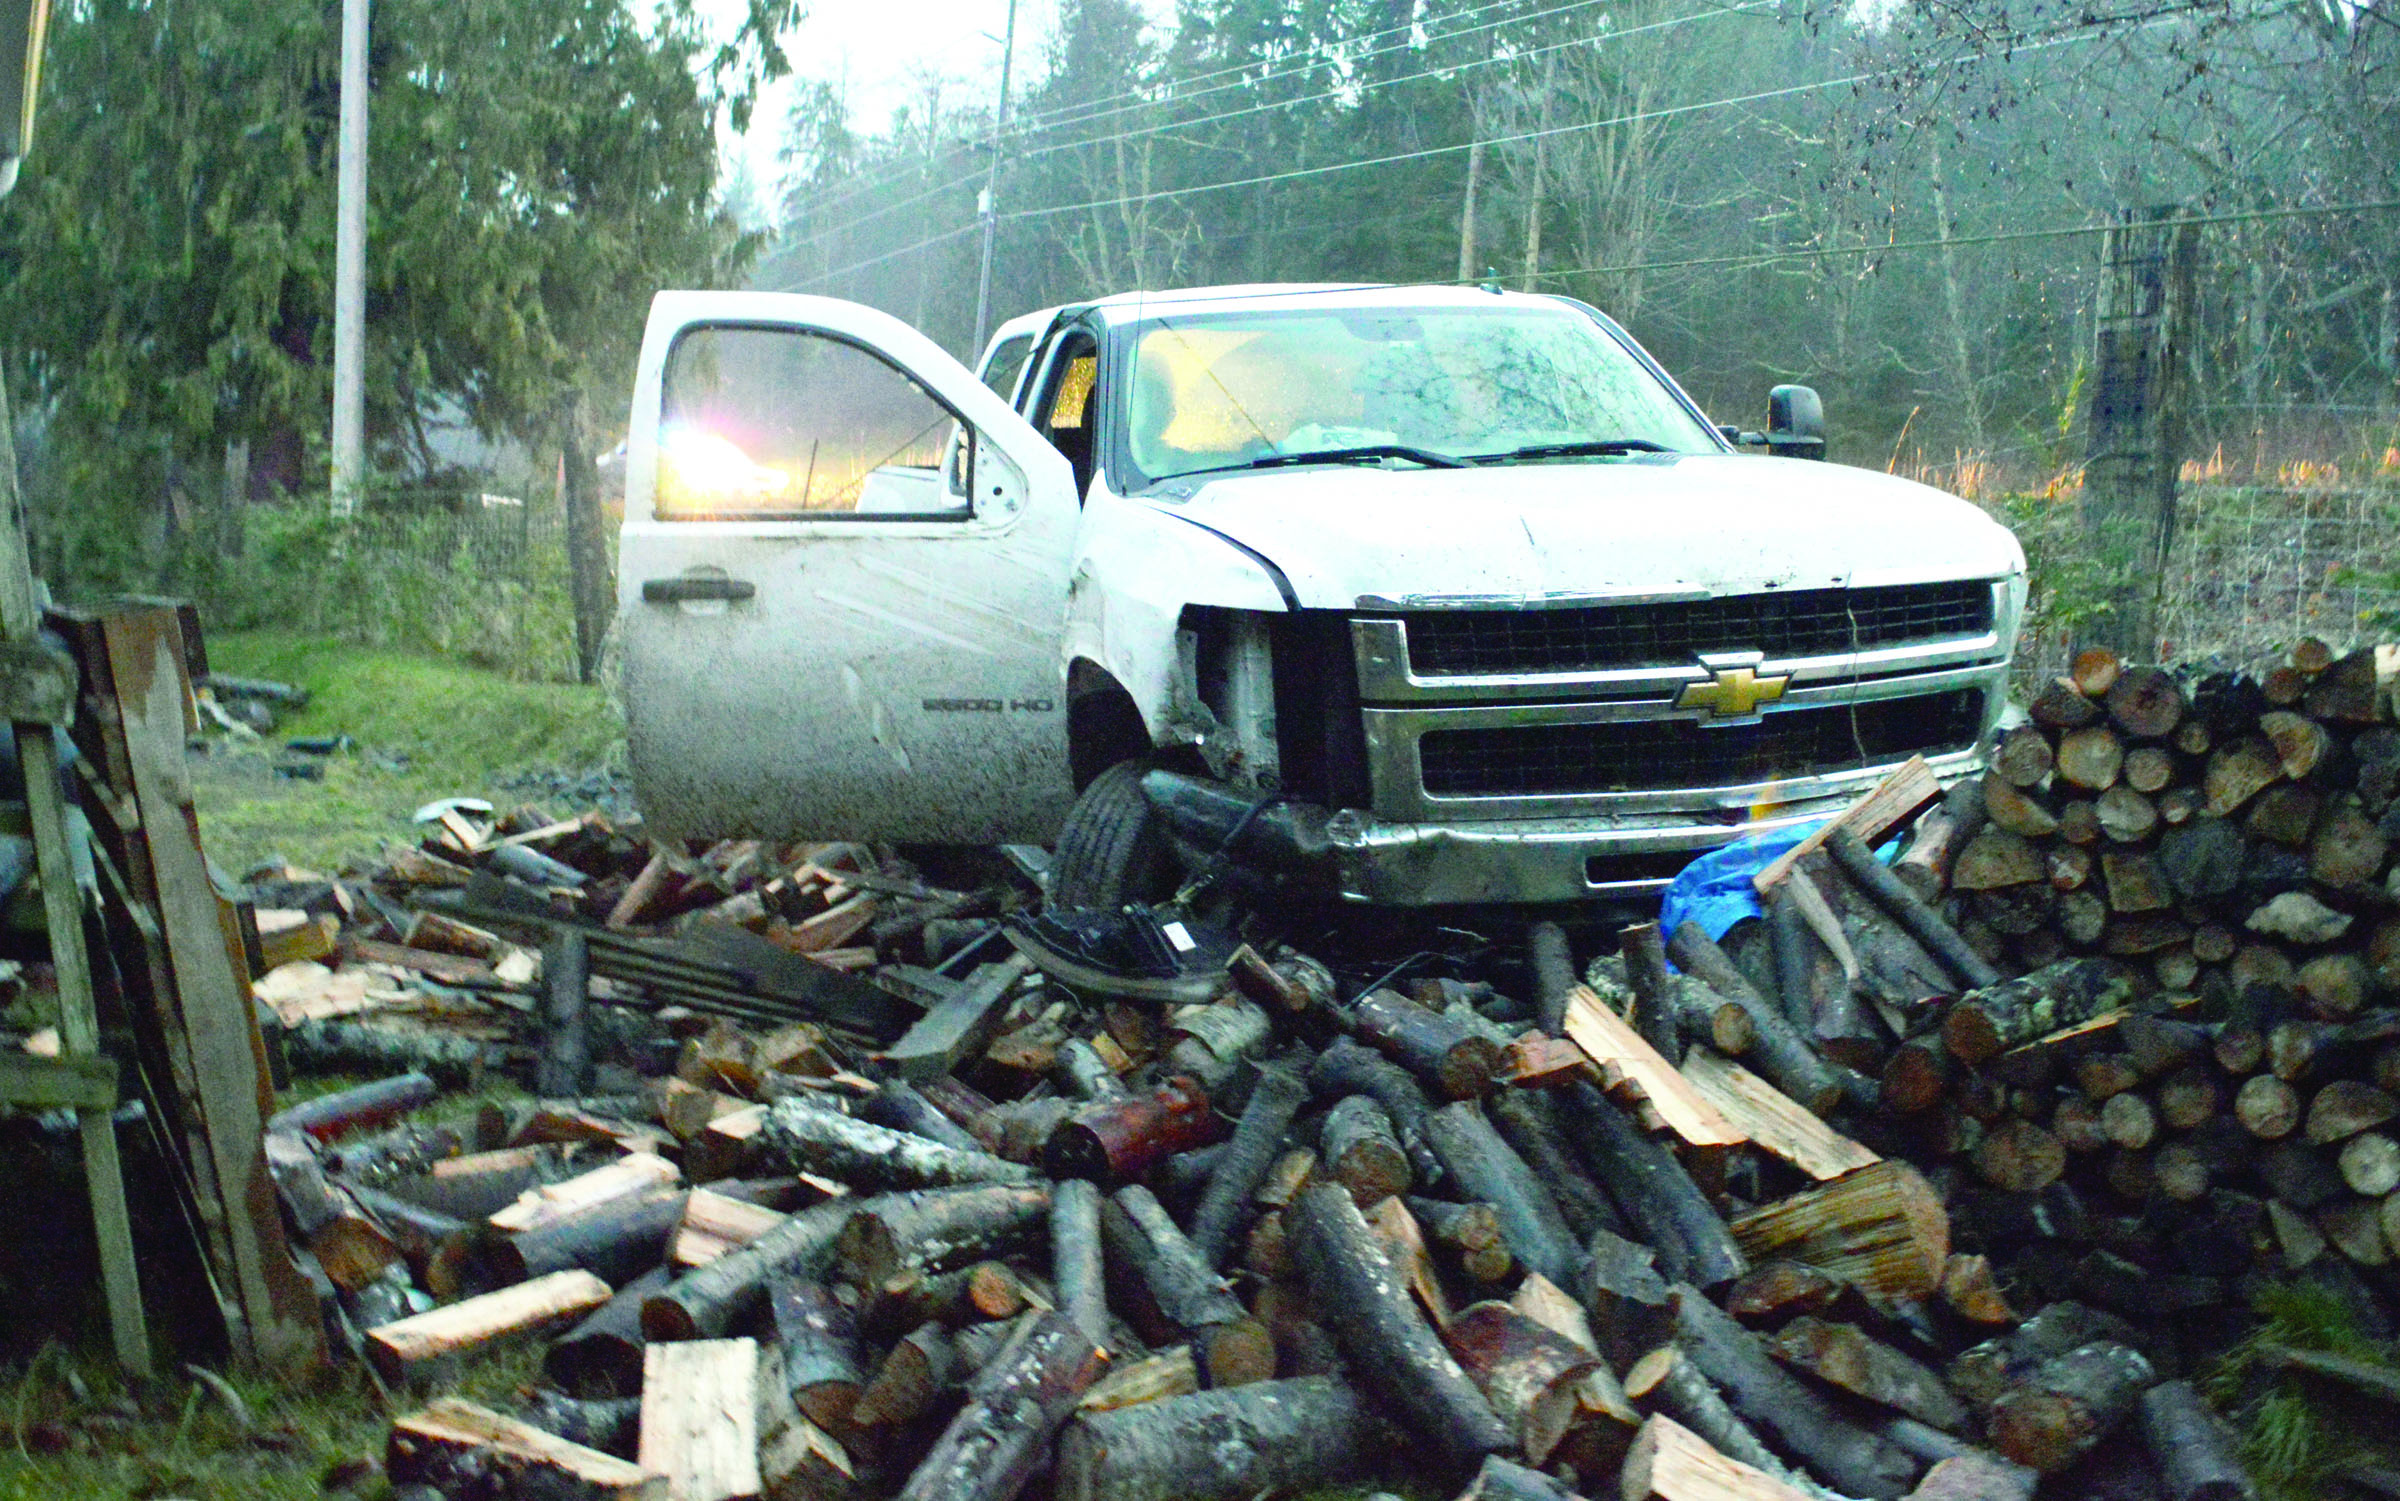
1801 623
1664 755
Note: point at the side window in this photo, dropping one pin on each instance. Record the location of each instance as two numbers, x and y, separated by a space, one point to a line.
1066 414
1007 362
759 423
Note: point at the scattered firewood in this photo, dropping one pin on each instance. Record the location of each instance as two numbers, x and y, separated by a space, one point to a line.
455 1446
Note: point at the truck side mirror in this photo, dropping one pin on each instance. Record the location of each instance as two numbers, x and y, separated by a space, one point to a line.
1795 423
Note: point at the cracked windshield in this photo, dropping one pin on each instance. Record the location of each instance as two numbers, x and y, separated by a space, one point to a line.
1225 392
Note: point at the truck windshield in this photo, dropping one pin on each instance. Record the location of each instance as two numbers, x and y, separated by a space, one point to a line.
1226 391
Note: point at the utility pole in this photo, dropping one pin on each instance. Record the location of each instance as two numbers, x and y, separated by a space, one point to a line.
350 271
990 206
2134 419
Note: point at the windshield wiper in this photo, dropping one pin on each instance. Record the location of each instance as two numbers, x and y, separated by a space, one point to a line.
1363 453
1586 448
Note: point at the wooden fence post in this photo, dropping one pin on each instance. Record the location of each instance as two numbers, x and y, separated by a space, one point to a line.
2134 420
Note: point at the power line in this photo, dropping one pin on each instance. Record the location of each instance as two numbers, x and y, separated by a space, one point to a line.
1637 117
1430 152
1360 90
2004 237
1304 63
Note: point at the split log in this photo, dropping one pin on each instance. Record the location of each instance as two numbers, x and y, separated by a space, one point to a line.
1995 860
1153 1378
1843 1356
914 1373
999 1439
1772 1120
2344 1108
1653 1191
1119 1139
2068 1404
1669 1462
1849 1458
1352 1281
715 1224
1075 1256
2063 706
414 1347
1922 922
1973 1293
1627 1297
1222 1445
1533 1378
1975 1477
700 1418
817 1336
1882 1227
2010 810
1274 1100
1404 1242
1484 1168
1924 867
1149 1251
1780 1053
1453 1058
1629 1065
1984 1023
2126 816
2239 772
1359 1150
810 1138
2022 758
459 1448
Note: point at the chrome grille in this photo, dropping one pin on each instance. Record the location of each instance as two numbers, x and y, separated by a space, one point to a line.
1646 755
1801 623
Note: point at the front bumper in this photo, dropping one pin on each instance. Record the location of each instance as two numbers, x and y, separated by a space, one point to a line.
1522 861
1531 861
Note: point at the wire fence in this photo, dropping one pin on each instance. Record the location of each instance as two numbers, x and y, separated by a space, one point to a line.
2254 568
475 576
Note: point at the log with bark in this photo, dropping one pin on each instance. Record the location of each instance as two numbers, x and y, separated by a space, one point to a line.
1486 1169
1014 1406
1223 1445
1166 1275
456 1447
1352 1281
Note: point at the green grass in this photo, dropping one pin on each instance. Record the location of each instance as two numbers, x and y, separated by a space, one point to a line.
425 726
174 1438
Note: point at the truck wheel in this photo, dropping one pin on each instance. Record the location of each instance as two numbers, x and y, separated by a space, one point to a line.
1112 851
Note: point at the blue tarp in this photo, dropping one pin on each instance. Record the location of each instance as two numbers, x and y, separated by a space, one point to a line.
1715 891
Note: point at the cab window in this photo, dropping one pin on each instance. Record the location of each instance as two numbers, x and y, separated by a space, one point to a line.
1005 364
1066 414
764 423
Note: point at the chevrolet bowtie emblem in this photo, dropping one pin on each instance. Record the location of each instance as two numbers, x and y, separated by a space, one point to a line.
1734 693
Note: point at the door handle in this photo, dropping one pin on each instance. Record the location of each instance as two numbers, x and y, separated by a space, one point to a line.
677 591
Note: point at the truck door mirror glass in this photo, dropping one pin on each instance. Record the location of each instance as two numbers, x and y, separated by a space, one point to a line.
763 423
1795 423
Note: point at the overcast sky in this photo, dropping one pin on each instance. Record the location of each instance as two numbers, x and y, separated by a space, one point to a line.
881 47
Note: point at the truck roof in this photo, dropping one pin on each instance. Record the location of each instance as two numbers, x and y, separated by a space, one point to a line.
1132 307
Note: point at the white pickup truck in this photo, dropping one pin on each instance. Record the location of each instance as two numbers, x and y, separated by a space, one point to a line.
1421 596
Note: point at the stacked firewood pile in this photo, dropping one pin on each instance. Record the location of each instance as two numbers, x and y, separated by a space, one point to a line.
825 1188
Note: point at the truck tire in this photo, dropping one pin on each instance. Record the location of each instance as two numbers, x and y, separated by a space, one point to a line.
1112 851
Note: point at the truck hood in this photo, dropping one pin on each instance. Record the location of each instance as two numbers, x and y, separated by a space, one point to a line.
1351 537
